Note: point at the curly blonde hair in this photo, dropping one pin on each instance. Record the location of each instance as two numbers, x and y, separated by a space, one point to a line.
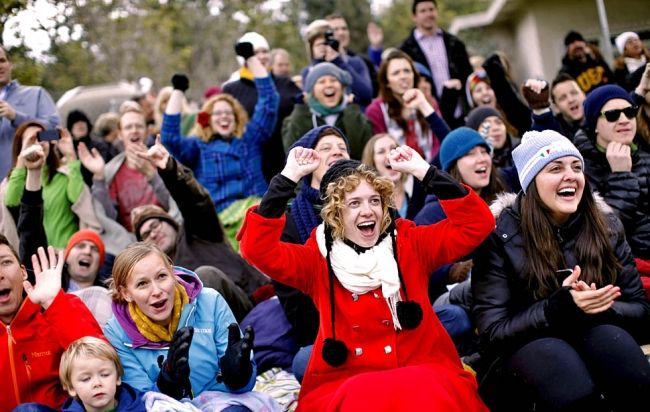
332 212
241 117
126 261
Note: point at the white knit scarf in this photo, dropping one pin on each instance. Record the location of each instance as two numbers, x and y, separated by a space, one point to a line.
361 273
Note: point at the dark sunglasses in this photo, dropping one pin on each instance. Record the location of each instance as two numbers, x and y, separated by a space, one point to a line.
614 114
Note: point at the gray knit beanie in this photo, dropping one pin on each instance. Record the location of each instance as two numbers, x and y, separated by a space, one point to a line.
537 149
325 69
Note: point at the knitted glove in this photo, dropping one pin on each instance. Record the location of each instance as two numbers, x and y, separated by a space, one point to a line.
174 377
180 82
535 100
460 270
244 49
561 311
235 364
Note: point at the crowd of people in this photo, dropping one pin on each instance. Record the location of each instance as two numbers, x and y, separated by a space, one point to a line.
396 230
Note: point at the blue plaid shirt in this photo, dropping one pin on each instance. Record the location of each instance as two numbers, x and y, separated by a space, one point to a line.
230 170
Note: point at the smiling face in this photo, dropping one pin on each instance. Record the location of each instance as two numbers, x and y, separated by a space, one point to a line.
83 263
222 119
622 130
568 98
362 214
94 381
483 95
560 185
133 129
400 76
5 68
382 148
328 91
151 285
498 133
475 168
160 233
12 275
330 148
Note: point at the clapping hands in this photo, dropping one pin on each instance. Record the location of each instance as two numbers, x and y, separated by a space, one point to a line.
589 298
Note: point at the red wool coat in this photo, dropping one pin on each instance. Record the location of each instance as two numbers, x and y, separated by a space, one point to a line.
386 370
31 347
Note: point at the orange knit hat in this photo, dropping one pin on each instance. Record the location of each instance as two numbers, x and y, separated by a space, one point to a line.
91 236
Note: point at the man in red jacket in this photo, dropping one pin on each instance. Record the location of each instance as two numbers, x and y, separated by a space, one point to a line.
36 327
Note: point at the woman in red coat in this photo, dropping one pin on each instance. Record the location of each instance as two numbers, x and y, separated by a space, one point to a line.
380 346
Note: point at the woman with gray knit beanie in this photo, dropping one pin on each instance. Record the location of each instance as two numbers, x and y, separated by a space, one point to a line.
558 302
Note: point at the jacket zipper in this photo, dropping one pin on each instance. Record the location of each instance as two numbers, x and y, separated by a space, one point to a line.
12 364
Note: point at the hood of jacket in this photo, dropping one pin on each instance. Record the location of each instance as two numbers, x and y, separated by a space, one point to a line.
128 398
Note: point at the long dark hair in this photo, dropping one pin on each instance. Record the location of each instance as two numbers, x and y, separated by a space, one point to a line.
544 256
52 160
386 94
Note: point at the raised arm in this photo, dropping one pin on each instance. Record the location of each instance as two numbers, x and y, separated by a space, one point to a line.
184 149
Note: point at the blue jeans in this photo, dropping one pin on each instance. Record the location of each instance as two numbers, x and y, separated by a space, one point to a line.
300 361
454 319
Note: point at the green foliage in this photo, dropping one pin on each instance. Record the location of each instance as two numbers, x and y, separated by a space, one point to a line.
25 69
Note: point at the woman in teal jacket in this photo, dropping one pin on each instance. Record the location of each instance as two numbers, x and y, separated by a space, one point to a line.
172 335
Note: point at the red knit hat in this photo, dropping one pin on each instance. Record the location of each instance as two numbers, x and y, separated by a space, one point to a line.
91 236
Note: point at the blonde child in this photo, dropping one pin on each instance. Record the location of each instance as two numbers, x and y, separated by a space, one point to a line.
91 373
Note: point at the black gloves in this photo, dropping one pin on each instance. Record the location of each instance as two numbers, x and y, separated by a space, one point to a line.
561 311
244 49
180 82
236 367
442 185
174 378
331 41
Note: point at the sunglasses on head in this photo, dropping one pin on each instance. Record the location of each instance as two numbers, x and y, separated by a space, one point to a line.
614 114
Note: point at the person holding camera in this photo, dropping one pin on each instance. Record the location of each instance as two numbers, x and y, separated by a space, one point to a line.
66 199
323 46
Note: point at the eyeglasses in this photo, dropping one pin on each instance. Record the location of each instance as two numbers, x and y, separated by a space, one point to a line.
155 224
614 114
223 113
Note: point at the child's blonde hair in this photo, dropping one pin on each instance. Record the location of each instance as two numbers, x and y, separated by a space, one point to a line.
89 347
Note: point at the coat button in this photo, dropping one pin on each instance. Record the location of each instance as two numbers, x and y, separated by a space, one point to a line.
388 349
376 295
505 235
355 297
358 351
356 328
386 322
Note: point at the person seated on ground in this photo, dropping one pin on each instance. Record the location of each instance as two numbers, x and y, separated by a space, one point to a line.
408 195
327 103
617 161
490 124
91 373
164 316
38 321
323 46
568 114
199 244
224 149
465 155
66 200
557 299
633 54
584 63
403 111
367 271
127 181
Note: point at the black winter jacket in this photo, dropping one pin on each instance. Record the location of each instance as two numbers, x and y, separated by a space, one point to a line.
506 312
627 192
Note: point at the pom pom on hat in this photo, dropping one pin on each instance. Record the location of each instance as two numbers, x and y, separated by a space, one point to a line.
597 98
537 149
326 69
91 236
334 352
457 144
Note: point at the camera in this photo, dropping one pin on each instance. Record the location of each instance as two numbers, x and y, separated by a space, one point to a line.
331 41
48 135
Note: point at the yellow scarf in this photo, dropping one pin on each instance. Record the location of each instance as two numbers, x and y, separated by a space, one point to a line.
153 331
244 73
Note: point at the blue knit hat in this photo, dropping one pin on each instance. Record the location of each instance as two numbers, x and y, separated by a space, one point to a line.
457 144
537 149
326 69
596 100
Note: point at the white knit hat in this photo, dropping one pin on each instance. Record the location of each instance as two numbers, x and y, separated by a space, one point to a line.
257 40
537 149
622 38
